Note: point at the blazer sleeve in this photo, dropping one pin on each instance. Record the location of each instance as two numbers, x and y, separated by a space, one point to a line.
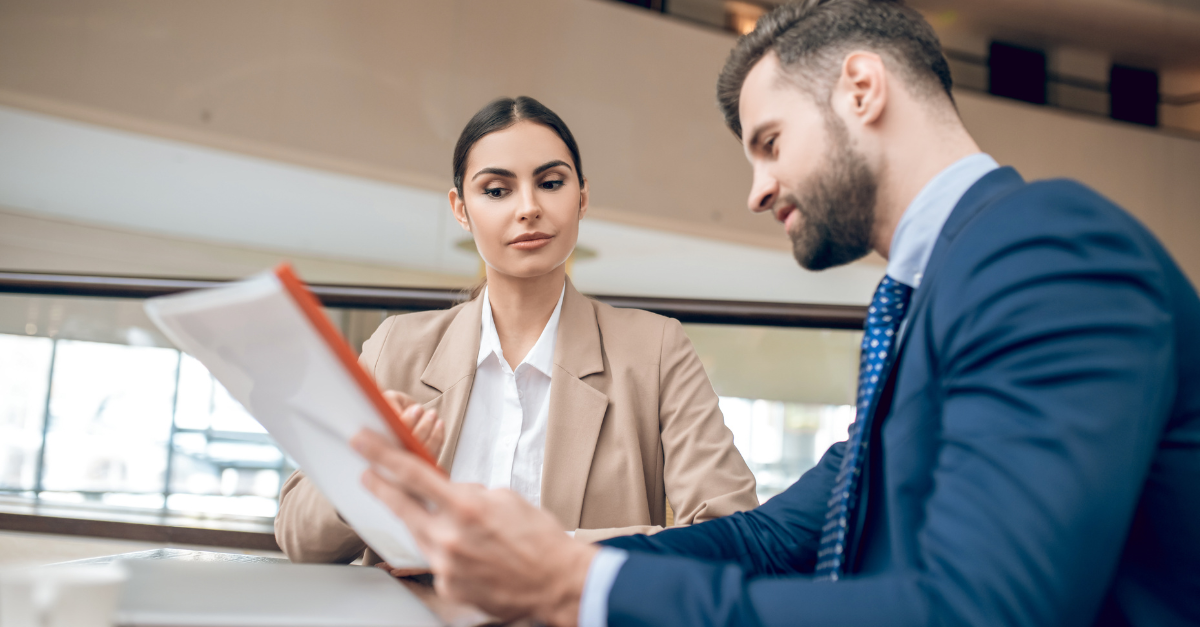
1054 355
308 528
704 474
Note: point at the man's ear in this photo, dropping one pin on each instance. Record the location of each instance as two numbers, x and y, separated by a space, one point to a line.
583 198
459 208
862 90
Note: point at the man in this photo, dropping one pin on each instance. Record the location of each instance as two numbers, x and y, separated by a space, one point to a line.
1027 447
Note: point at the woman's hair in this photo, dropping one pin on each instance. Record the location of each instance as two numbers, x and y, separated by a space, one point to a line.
498 115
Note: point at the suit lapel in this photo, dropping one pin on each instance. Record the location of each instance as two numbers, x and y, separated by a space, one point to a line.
576 409
978 197
451 371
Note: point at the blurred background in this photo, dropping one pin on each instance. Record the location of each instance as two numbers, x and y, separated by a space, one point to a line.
143 142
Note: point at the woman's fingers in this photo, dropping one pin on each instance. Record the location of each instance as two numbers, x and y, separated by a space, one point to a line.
398 400
401 572
430 431
423 423
438 437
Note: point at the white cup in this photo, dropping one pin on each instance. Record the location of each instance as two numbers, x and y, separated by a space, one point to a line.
83 595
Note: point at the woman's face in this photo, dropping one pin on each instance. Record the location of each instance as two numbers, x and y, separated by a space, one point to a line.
521 200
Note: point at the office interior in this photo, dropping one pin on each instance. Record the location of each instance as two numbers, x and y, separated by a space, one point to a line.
146 144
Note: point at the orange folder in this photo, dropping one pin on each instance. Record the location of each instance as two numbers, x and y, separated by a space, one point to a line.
311 307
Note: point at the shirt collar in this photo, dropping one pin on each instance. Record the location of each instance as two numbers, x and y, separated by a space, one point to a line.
922 222
541 356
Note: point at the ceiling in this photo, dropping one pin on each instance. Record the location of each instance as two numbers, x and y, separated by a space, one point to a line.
61 169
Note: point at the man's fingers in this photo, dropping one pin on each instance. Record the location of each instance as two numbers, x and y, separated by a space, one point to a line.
409 472
409 509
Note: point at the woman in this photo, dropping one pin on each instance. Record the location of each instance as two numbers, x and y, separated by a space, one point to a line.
599 415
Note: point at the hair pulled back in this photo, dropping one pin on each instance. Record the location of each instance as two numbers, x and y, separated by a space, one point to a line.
502 113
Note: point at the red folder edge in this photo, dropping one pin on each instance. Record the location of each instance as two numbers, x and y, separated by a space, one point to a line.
312 310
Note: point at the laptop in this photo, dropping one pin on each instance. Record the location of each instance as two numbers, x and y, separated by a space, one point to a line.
168 593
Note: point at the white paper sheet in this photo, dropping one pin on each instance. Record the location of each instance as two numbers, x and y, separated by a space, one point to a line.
258 343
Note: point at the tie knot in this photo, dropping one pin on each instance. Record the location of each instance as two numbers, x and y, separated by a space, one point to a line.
888 306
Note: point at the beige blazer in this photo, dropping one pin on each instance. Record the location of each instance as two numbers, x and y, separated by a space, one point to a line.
633 423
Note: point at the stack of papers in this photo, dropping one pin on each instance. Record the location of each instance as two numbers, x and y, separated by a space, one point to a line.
268 342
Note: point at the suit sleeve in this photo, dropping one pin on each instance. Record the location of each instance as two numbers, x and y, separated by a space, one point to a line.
1052 349
778 538
308 528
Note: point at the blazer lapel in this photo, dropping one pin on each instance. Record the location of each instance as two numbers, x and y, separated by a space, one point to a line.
451 371
576 409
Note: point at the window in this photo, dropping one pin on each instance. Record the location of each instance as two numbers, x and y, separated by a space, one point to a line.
142 427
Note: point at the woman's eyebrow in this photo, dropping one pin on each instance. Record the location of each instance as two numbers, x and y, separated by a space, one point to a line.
550 164
496 171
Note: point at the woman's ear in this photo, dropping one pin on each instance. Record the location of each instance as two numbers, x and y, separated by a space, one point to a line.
583 198
459 208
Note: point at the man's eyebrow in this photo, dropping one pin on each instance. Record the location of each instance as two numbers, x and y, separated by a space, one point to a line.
550 164
496 171
756 135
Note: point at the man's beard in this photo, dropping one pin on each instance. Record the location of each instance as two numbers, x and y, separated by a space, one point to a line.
838 208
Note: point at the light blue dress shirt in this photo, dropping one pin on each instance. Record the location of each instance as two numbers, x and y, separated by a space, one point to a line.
912 244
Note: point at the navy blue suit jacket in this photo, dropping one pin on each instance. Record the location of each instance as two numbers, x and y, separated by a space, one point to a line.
1034 458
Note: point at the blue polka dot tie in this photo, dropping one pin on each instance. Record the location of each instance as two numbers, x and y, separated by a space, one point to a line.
883 321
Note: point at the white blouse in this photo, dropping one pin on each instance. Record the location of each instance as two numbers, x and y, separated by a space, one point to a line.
503 439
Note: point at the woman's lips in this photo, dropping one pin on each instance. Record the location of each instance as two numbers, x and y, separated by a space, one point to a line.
531 242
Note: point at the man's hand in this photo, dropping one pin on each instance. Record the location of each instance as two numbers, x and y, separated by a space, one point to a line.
489 548
423 423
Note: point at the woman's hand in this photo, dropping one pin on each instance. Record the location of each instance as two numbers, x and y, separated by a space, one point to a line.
424 424
402 572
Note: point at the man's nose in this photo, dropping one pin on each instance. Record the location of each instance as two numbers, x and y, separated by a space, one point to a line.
762 193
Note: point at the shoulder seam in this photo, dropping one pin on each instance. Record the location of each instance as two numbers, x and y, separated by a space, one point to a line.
383 344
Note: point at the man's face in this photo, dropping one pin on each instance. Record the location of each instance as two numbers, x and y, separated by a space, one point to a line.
806 173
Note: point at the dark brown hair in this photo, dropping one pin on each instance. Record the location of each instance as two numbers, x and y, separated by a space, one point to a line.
812 37
500 114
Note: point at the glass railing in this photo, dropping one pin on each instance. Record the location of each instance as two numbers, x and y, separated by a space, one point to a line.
98 409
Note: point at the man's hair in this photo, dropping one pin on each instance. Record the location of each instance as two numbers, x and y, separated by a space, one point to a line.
813 37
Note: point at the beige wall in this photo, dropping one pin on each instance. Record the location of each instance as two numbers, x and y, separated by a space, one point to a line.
380 88
1152 174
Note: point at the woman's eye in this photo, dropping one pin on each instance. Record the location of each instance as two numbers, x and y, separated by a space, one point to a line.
494 192
552 185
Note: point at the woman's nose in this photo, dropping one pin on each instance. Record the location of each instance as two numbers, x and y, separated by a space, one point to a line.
530 209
